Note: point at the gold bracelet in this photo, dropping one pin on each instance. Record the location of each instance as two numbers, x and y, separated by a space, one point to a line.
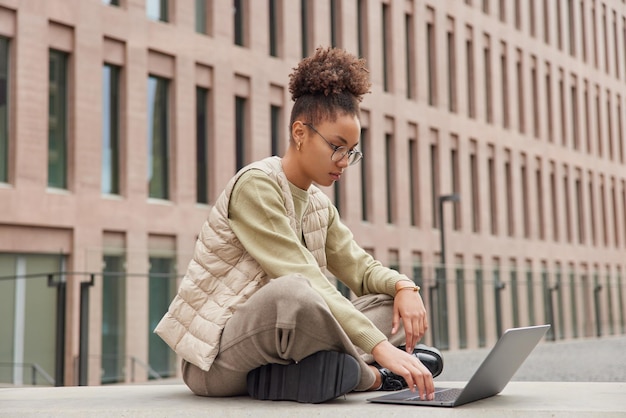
415 288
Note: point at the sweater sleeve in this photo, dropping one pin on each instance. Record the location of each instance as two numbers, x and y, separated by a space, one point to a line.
258 217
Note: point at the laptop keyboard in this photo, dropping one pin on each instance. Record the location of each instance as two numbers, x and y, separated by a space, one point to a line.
441 395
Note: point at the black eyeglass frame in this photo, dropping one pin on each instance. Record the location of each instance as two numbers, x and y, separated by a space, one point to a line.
340 151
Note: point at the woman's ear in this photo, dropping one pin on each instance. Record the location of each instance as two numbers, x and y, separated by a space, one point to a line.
298 131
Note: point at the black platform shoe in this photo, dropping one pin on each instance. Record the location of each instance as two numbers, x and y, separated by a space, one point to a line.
429 356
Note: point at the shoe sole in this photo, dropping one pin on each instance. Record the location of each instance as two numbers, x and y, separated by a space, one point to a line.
317 378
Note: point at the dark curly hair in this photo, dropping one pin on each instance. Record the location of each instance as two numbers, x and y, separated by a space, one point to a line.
330 82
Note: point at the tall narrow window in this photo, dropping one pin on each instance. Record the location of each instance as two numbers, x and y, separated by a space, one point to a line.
587 116
539 190
614 209
335 23
603 214
562 108
525 198
304 23
518 15
534 91
592 210
365 176
548 96
202 145
362 28
456 182
594 34
554 203
201 16
57 120
475 187
434 181
386 47
583 30
502 10
390 165
409 56
599 123
275 27
157 10
575 113
531 18
471 82
451 57
4 110
546 20
161 291
110 181
493 207
240 22
567 203
609 124
158 137
113 318
431 58
241 118
559 26
276 126
504 84
519 73
605 38
508 179
620 129
571 27
414 183
488 80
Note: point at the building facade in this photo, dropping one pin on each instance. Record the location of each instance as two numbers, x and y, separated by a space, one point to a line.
494 143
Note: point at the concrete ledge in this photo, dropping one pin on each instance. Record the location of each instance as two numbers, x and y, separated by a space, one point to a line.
519 399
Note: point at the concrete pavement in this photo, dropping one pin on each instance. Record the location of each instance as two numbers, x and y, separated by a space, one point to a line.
581 378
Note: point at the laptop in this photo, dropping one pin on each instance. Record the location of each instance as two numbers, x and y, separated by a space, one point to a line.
490 378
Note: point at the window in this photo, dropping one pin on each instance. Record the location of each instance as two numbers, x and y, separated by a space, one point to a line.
431 58
518 15
390 164
362 33
559 26
592 210
57 120
110 181
554 203
546 20
480 302
534 91
525 198
562 108
530 289
241 122
4 110
594 34
599 123
514 293
587 116
620 129
603 213
583 30
519 73
573 284
365 176
409 56
605 38
508 179
202 145
456 180
113 319
157 10
488 80
158 137
240 22
548 95
471 82
275 27
567 204
475 187
434 176
161 291
571 27
615 210
276 126
504 83
531 18
541 224
305 21
459 273
575 113
387 58
450 41
414 211
201 16
493 207
335 23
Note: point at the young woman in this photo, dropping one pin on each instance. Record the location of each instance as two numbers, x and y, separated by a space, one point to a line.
255 312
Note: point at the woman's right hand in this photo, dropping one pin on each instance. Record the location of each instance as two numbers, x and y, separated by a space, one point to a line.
406 365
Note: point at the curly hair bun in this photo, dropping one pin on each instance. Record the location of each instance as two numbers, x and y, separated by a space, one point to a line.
330 71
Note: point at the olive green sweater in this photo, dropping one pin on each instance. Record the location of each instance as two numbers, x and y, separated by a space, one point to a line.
258 217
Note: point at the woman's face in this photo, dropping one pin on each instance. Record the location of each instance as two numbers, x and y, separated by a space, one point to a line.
318 142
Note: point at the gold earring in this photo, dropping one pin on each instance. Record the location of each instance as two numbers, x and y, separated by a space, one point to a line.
298 146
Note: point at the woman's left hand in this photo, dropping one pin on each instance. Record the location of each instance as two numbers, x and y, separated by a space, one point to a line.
408 306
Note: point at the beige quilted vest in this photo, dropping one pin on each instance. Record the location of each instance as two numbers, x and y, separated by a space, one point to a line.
223 275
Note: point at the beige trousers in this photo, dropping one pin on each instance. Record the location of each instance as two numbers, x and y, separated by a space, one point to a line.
284 321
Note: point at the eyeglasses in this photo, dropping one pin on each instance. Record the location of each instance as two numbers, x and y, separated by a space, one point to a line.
340 152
